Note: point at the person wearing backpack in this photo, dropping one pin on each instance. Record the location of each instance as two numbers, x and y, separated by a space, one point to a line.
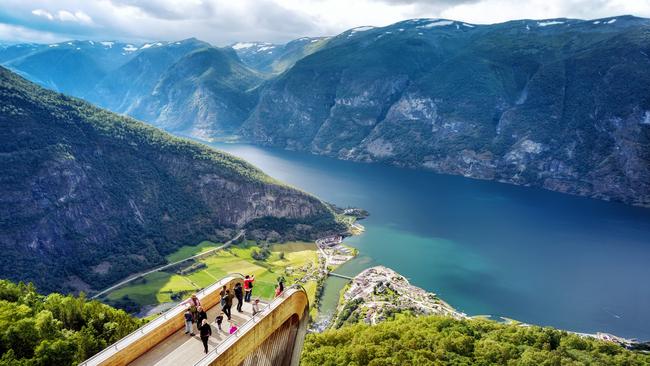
248 287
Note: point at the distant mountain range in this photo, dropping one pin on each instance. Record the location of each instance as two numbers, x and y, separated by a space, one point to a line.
276 58
88 197
562 104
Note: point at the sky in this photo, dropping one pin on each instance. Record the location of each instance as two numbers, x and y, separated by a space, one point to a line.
223 22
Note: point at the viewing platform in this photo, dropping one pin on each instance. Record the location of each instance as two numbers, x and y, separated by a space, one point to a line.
272 337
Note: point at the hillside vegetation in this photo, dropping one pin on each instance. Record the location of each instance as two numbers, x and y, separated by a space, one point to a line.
89 197
434 340
54 330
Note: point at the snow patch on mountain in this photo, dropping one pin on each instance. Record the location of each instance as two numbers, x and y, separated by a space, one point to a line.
436 23
243 45
359 29
107 44
549 22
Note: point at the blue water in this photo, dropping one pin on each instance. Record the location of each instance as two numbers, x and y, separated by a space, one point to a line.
488 248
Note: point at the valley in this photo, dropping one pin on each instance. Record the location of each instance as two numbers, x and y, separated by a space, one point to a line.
485 247
291 260
501 170
559 104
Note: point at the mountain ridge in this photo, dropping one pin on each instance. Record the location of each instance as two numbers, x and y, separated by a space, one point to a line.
508 102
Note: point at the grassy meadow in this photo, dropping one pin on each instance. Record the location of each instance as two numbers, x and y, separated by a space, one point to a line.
291 260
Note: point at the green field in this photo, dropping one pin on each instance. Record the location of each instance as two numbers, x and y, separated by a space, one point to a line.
188 250
299 258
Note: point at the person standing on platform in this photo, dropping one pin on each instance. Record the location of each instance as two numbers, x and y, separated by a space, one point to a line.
256 306
200 316
194 304
188 322
239 294
223 296
205 333
219 319
228 304
248 287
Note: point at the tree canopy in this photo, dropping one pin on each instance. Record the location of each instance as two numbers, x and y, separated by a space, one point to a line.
55 329
435 340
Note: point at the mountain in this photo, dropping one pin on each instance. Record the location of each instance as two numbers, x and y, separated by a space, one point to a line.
187 87
124 88
88 197
276 58
73 67
206 93
562 104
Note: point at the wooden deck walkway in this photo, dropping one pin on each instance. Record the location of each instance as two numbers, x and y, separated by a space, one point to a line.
183 349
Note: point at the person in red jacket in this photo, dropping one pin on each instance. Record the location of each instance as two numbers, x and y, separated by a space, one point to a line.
248 287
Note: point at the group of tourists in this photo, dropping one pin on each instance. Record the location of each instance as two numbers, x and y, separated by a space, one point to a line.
195 314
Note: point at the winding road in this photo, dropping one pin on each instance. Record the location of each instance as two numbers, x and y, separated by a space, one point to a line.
158 269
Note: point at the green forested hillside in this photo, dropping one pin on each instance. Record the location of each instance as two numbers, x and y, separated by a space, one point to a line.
432 340
88 197
55 330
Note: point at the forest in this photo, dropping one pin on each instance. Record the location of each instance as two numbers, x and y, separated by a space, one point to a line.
435 340
55 329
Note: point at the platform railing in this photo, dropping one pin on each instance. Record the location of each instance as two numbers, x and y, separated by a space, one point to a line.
248 325
154 324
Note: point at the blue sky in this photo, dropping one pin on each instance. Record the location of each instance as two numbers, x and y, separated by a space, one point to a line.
226 21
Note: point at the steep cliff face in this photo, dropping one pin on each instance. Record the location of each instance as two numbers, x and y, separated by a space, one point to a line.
87 197
561 104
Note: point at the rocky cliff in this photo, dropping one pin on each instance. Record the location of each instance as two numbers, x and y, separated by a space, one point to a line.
561 104
87 196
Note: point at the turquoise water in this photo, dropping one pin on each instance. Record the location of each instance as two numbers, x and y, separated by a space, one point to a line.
487 248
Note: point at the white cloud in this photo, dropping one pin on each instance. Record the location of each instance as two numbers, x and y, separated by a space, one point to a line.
64 16
78 16
493 11
43 13
227 21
